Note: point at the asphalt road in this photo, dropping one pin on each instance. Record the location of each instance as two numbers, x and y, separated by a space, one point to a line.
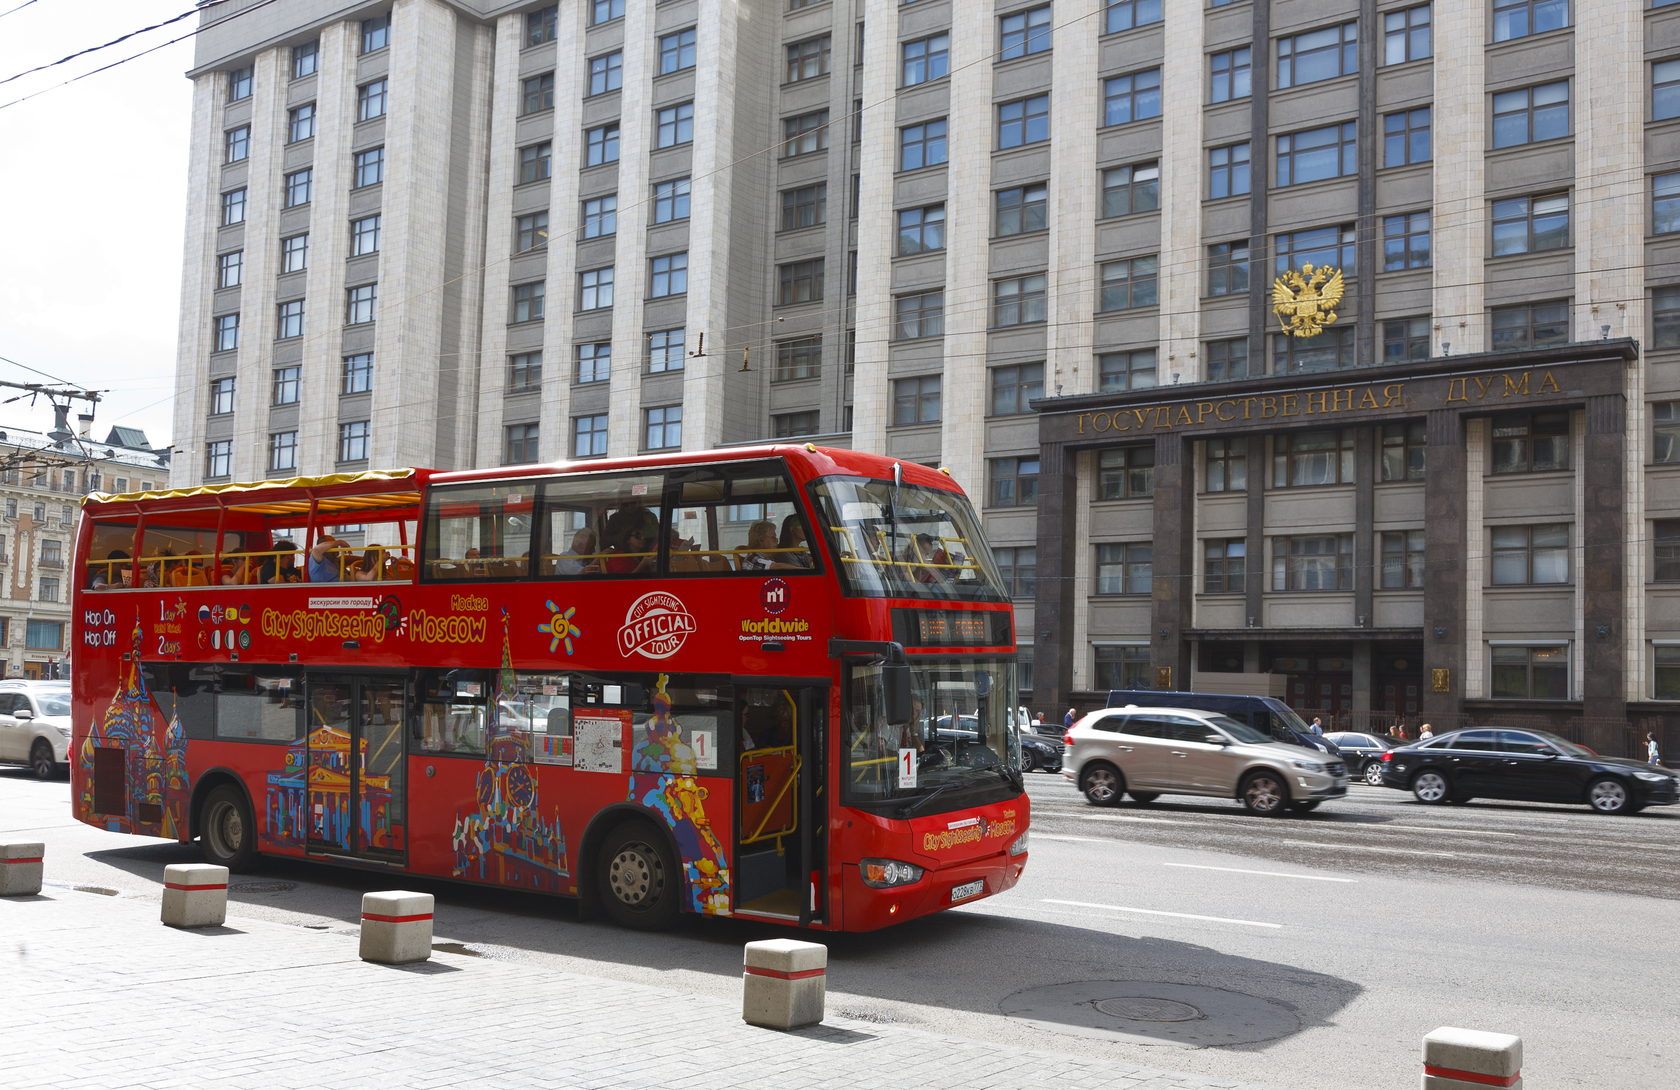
1309 952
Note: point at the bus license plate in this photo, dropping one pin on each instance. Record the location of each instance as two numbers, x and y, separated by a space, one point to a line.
968 889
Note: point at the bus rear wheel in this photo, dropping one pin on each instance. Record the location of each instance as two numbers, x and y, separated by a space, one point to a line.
227 835
638 878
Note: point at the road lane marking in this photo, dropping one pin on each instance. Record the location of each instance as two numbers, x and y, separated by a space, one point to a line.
1071 839
1267 873
1157 912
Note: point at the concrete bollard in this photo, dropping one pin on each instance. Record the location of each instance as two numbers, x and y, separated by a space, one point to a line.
1471 1059
194 895
784 983
396 927
20 869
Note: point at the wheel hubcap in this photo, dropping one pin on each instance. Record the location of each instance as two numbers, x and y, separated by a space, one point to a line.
1263 794
1373 774
634 876
1609 796
1431 788
1100 785
227 831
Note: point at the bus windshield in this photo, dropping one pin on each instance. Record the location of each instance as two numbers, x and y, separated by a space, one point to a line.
902 541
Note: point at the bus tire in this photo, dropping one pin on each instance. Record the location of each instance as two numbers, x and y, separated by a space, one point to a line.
638 880
227 834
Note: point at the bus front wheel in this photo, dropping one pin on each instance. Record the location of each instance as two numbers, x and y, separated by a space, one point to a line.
227 834
638 880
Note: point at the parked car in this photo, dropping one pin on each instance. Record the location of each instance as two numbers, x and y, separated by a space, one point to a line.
1362 753
963 744
1150 752
1527 766
35 725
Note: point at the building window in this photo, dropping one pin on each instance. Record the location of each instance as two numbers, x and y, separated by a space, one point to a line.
1406 241
43 635
1230 75
794 425
1225 465
1305 459
605 11
306 59
606 72
1024 121
227 332
674 125
670 200
218 458
1126 14
917 400
1529 673
1312 155
1023 33
804 134
357 374
1523 225
666 350
1126 568
237 144
1530 114
667 275
923 60
798 359
287 383
364 236
1332 350
600 216
376 33
300 122
1020 209
1405 339
1227 359
542 25
1318 246
677 51
1317 55
353 441
1119 371
1520 18
922 145
1402 560
662 427
524 373
370 167
527 302
806 206
1224 565
299 185
1126 473
530 232
1228 170
799 282
1128 283
1529 325
536 94
1406 136
1665 317
807 59
1128 189
1018 568
600 145
361 303
1317 562
1529 555
595 288
919 315
294 253
1121 666
594 362
1530 442
1015 386
520 443
1018 300
370 100
289 319
1406 35
589 436
921 230
49 587
230 269
1132 97
1227 265
1665 432
233 206
1665 551
1665 203
1665 660
536 162
221 396
282 451
1012 482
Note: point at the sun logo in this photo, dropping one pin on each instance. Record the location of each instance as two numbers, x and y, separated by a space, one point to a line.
560 628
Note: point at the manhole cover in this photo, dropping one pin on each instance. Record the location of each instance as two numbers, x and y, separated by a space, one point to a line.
265 887
1152 1013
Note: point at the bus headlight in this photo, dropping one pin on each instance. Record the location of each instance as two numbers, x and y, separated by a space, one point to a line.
886 873
1018 846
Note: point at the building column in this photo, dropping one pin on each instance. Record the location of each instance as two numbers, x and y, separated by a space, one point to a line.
1444 556
1173 561
1054 604
1603 532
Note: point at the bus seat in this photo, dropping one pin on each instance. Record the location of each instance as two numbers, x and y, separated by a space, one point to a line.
400 568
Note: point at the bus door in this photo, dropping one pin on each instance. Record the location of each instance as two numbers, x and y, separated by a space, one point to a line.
781 805
356 801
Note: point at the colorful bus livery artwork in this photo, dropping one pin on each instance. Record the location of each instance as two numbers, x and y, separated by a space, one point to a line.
700 683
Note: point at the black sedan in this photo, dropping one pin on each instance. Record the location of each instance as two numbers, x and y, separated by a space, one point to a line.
1362 753
1037 751
1527 766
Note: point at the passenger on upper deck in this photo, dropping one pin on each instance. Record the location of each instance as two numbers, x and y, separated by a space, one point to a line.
581 557
113 572
795 552
634 552
323 560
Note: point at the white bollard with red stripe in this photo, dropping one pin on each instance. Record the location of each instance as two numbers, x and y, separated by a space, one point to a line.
396 927
784 983
20 869
1471 1059
194 895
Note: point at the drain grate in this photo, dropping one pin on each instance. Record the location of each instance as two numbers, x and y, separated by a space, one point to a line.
265 887
456 948
101 890
1152 1013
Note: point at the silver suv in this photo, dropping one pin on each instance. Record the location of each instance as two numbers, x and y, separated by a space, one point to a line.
35 725
1150 752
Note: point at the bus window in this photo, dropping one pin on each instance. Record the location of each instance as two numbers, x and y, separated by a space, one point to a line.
906 541
478 531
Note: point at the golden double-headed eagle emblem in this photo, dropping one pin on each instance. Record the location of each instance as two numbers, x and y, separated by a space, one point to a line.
1305 301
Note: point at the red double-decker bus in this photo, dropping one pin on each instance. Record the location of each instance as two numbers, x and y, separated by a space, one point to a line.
707 682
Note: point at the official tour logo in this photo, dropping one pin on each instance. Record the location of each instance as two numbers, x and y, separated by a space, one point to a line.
655 626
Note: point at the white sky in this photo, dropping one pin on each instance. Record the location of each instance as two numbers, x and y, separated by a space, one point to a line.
93 181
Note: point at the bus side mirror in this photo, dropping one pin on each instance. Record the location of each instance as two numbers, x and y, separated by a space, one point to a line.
895 681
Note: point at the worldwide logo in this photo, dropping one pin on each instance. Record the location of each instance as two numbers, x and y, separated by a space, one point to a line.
775 596
656 626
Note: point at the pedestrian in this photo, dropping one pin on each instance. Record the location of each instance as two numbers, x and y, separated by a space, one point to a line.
1424 732
1067 720
1399 730
1317 725
1652 756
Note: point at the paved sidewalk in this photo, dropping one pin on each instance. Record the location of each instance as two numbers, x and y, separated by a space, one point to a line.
96 993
